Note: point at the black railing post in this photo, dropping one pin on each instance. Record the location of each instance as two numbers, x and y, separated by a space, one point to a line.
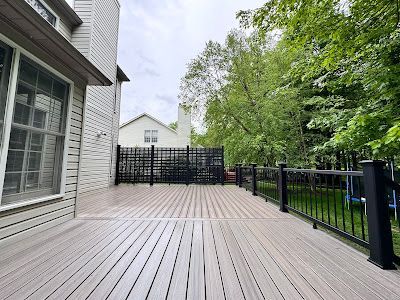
254 179
379 227
240 183
152 166
223 167
237 174
117 165
282 186
187 166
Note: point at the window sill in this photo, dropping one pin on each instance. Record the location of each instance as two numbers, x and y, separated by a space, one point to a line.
30 202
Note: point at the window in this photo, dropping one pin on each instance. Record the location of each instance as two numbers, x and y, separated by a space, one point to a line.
151 136
5 67
43 11
147 136
33 167
154 136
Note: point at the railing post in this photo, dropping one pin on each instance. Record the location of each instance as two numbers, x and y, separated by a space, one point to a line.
240 183
187 166
237 174
223 167
117 165
379 227
254 179
282 186
152 166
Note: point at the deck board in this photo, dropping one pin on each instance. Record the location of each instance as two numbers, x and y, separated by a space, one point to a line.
179 242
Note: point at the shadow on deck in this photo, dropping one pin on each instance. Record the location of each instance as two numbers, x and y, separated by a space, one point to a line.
191 242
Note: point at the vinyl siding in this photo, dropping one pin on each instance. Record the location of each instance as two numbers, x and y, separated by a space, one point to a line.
23 222
132 135
97 39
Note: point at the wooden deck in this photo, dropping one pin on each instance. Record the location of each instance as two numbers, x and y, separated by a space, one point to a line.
191 242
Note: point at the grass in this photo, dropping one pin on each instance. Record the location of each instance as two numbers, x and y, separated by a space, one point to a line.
321 204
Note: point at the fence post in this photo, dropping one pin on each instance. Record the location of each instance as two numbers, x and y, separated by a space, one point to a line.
237 174
254 178
282 186
379 227
152 166
187 165
240 183
117 165
223 167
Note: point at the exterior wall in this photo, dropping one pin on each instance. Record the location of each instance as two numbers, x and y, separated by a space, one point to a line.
184 127
132 135
97 39
17 224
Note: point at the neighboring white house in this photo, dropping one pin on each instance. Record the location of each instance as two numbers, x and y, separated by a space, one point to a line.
60 93
145 130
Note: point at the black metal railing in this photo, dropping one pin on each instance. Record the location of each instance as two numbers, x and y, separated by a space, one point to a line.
170 165
353 204
267 183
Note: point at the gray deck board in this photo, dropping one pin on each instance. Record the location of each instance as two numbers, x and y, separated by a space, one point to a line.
196 242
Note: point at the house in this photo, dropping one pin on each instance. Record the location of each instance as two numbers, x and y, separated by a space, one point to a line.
60 90
145 130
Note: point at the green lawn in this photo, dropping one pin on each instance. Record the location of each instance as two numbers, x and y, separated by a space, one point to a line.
322 203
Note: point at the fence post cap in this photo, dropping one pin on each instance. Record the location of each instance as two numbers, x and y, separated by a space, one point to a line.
253 164
373 162
282 163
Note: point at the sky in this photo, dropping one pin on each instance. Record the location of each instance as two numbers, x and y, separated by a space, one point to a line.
158 38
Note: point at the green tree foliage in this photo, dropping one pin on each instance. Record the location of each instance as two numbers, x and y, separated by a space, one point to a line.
348 59
329 83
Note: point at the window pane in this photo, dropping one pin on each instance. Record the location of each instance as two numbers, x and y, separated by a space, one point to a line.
25 94
22 114
15 161
18 139
43 11
28 73
12 184
45 82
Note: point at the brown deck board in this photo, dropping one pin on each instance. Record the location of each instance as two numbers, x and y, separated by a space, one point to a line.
195 242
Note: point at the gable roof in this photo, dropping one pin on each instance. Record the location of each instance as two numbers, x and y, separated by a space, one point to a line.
149 116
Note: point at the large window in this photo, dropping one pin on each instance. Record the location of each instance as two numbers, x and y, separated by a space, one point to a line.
151 136
37 137
5 67
43 11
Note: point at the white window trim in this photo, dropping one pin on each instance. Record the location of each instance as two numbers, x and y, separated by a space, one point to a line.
18 51
57 25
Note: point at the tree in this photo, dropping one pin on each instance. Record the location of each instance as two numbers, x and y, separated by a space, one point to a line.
347 62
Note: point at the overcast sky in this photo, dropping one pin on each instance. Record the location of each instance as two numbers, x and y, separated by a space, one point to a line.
158 38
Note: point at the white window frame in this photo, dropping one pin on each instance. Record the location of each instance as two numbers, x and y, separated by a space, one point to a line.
57 25
12 86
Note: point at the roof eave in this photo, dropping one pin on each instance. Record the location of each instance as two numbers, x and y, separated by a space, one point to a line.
70 15
44 41
121 76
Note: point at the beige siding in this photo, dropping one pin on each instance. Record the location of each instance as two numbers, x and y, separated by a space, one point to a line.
81 34
132 134
97 39
65 30
23 222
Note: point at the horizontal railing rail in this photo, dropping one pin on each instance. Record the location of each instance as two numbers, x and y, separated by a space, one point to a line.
352 204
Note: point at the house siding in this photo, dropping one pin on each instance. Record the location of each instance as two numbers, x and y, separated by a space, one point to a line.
98 41
23 222
132 134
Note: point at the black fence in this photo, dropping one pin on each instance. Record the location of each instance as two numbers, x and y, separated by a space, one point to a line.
358 206
170 165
